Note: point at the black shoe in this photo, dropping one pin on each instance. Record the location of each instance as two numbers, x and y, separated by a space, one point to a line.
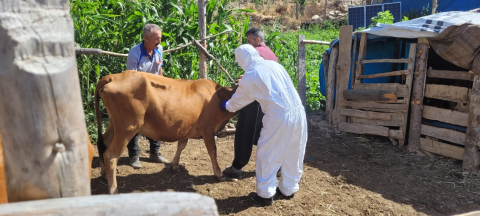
261 200
233 173
280 195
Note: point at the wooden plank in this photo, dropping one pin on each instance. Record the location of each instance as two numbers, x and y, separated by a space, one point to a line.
153 203
408 84
362 52
203 33
354 56
370 130
387 74
44 134
385 61
399 89
314 42
448 93
446 74
366 114
471 159
370 104
331 85
442 148
417 96
397 121
444 115
370 95
444 134
301 85
343 70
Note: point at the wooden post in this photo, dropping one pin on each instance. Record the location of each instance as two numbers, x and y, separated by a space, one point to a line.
203 33
301 85
331 84
354 56
133 204
297 9
343 71
362 52
434 6
408 84
417 96
471 159
43 126
325 15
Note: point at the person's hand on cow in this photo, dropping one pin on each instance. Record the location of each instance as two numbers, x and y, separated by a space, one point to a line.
224 105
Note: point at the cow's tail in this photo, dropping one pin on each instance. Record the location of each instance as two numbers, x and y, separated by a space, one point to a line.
100 143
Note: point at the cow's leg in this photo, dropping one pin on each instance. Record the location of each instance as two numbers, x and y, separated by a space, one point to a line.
212 152
107 139
111 155
176 160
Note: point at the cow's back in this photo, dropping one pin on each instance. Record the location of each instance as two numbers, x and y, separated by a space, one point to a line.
165 109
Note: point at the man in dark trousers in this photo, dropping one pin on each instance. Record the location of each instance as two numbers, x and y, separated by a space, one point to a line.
249 122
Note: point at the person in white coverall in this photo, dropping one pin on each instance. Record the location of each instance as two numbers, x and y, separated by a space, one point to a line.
284 133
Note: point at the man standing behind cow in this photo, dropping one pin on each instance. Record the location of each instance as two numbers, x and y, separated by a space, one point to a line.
249 121
146 57
284 133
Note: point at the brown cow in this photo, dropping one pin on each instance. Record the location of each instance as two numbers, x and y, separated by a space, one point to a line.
3 182
161 108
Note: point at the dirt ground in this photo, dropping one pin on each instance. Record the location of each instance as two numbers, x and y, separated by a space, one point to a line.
344 174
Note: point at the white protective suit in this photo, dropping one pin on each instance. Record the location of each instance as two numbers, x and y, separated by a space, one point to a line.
284 133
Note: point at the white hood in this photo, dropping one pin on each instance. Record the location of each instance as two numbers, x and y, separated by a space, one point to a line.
246 55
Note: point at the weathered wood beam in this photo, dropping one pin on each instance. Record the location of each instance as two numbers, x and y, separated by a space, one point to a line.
343 71
408 85
448 93
354 59
332 65
314 42
442 148
387 74
444 134
217 62
302 82
399 89
471 160
366 114
133 204
371 104
446 74
44 134
370 130
370 95
445 115
385 61
417 95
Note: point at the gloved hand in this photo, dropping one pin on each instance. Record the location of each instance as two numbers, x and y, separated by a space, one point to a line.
224 104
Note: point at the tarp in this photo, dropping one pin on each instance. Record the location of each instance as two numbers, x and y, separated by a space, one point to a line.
460 45
427 26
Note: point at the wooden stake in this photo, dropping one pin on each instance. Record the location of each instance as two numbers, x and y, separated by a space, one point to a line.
417 96
343 71
354 56
362 52
44 134
331 84
301 85
204 51
203 33
471 159
408 84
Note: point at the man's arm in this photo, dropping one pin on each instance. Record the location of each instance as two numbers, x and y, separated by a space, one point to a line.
242 96
160 72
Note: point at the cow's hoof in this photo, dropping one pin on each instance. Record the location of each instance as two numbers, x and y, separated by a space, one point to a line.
176 170
221 179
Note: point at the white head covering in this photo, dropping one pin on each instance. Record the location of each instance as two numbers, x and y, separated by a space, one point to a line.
246 55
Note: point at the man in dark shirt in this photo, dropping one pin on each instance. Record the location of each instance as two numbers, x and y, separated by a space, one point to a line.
249 122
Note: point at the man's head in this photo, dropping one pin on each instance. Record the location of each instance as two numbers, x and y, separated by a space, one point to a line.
152 36
255 36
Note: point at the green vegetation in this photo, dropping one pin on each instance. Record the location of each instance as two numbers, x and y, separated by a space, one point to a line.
116 26
382 18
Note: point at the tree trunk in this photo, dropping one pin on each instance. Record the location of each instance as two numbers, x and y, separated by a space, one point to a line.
434 6
297 9
203 33
301 85
43 126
